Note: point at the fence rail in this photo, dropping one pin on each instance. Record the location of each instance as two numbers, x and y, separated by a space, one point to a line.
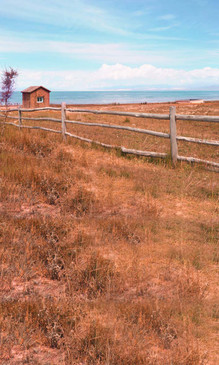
172 117
199 118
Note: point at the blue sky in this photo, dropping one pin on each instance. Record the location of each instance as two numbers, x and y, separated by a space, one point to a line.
111 44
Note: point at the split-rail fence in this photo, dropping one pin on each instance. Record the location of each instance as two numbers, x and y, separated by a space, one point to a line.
172 135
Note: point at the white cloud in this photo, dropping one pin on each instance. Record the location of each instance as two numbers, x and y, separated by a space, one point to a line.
80 14
139 13
74 14
104 53
118 75
161 29
167 17
62 13
125 53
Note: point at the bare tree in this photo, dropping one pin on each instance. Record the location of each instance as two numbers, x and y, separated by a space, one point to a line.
8 83
7 88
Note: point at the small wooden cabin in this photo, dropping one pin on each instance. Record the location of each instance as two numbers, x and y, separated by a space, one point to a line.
35 97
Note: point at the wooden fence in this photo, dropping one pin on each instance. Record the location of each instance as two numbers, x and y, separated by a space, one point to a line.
172 135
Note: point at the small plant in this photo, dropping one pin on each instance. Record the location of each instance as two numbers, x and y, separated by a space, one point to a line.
95 278
7 88
127 120
81 203
8 83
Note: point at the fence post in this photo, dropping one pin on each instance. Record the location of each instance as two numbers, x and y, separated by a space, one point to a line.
19 117
173 141
63 121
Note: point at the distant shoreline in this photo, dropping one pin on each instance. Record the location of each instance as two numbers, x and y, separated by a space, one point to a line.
81 106
178 102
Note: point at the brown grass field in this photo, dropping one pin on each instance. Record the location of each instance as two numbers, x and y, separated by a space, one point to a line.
108 259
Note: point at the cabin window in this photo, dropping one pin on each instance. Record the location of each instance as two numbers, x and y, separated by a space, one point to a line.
40 99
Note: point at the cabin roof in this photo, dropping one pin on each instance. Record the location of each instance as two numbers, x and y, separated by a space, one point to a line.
31 89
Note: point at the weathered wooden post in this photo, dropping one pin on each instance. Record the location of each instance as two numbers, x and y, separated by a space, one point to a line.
63 121
19 117
173 141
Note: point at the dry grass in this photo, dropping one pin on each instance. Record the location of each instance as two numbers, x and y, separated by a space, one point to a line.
106 259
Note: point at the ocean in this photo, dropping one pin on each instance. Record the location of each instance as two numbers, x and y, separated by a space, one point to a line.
121 97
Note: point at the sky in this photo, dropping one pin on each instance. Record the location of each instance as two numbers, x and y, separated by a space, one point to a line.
111 44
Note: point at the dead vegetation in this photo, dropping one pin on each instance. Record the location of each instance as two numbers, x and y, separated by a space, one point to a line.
105 259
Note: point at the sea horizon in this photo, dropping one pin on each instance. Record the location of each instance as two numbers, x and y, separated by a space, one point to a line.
123 96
